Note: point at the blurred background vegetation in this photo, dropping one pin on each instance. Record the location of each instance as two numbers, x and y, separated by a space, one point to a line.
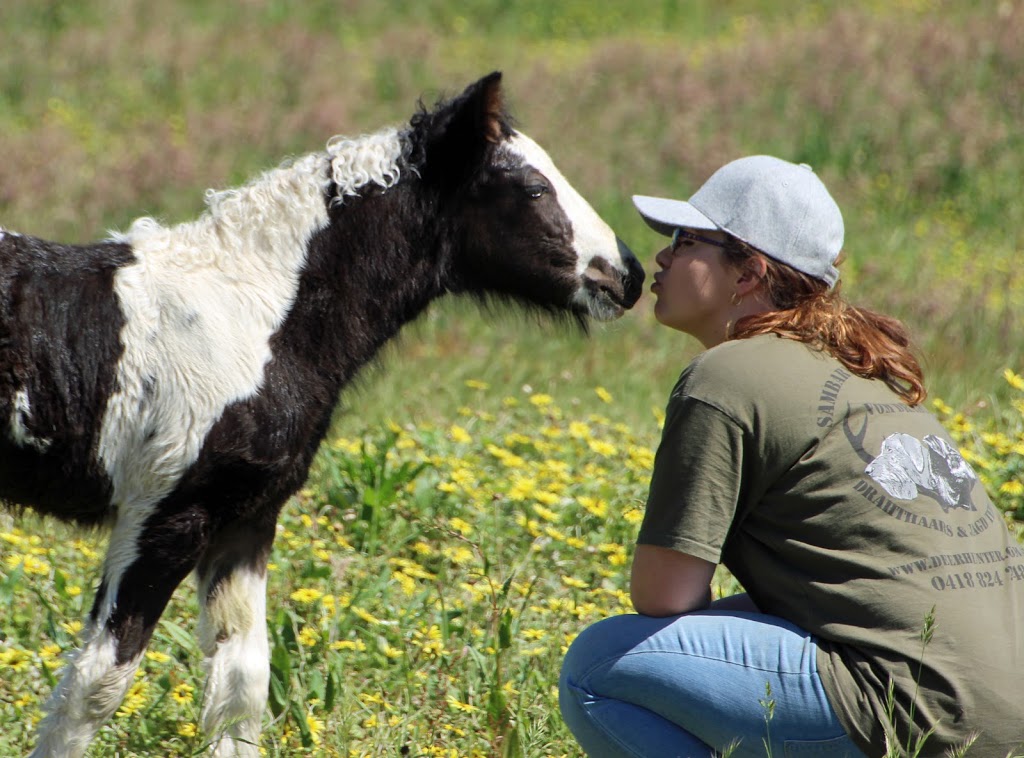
910 110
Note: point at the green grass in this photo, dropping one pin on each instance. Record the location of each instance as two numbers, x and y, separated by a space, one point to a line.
423 589
434 615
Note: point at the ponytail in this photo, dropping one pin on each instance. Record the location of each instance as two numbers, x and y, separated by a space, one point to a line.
869 344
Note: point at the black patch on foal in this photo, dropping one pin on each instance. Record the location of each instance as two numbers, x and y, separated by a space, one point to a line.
60 327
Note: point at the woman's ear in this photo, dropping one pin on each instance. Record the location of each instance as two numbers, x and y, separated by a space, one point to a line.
751 275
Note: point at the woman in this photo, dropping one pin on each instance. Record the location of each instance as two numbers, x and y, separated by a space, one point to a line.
885 595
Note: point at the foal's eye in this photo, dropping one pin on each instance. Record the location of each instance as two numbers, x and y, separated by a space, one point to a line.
536 191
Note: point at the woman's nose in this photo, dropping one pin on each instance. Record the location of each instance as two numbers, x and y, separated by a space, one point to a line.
663 257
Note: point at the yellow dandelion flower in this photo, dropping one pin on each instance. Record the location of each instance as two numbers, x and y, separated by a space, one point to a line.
633 516
1014 380
187 730
618 559
545 513
476 384
593 505
604 394
460 555
15 538
555 534
522 488
463 477
457 705
571 581
459 435
515 438
344 445
29 564
16 659
84 549
534 634
71 627
1012 487
641 458
135 700
579 431
508 459
392 652
369 618
357 645
306 595
73 590
546 497
315 726
308 636
183 693
405 582
462 527
540 400
602 448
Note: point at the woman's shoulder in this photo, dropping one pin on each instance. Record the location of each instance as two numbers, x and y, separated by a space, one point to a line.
759 359
756 368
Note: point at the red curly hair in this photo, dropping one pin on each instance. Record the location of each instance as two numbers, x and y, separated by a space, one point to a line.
869 344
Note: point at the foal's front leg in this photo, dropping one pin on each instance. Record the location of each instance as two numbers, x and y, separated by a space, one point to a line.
146 560
232 579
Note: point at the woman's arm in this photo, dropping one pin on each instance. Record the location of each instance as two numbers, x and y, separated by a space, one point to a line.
665 582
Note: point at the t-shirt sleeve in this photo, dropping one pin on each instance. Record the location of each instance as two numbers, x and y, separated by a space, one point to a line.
696 482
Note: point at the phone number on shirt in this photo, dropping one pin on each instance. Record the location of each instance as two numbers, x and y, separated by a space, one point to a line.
979 579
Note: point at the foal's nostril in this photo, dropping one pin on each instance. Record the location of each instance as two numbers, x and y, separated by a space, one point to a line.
633 283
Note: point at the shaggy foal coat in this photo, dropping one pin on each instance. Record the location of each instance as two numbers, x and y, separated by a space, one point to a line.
174 384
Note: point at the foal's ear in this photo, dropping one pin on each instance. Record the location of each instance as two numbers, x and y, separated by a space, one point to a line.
463 129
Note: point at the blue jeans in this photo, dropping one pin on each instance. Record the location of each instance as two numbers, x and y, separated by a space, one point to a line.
695 684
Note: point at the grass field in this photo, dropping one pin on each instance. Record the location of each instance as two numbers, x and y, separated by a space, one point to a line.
476 504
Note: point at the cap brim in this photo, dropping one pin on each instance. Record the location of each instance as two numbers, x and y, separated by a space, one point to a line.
665 216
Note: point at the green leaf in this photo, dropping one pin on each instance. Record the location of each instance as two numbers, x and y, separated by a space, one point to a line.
505 630
316 686
172 632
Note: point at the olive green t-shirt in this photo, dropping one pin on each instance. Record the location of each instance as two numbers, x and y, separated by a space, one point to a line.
852 515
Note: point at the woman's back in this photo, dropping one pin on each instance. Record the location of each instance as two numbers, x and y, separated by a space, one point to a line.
851 514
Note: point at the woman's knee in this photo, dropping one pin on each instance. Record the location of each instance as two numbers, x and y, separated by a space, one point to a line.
599 642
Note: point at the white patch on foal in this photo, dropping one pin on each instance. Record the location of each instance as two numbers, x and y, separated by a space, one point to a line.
201 302
90 690
592 237
20 414
233 637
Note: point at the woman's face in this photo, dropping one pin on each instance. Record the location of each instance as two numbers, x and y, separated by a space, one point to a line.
694 286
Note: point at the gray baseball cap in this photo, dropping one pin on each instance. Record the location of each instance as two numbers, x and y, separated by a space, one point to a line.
780 208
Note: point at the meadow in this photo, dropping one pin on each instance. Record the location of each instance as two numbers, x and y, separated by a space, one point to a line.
476 502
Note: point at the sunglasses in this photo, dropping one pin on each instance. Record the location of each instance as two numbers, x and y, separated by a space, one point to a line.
680 234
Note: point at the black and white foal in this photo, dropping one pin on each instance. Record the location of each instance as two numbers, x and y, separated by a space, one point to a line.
175 383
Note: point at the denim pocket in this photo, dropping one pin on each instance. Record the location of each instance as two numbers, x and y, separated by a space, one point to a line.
837 747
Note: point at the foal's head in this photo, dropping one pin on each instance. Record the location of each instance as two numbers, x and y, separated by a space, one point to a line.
524 232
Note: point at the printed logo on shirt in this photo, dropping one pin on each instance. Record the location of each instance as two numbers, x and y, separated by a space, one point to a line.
908 468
